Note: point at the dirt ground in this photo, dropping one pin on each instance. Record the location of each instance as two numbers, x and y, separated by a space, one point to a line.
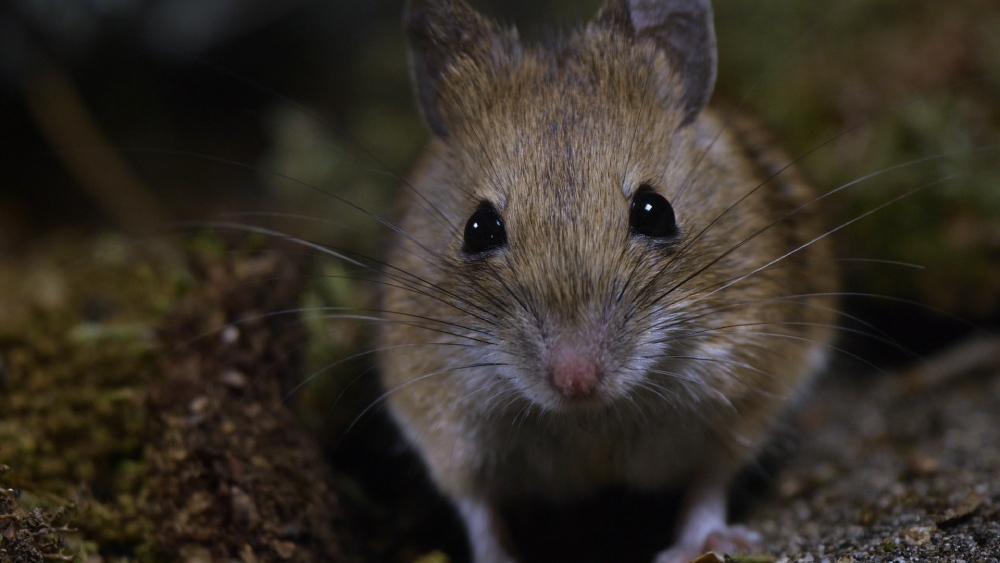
894 468
210 462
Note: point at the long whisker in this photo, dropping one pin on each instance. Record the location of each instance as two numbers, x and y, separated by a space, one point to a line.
362 354
830 193
694 397
834 230
341 255
384 396
794 299
868 119
725 361
671 396
722 329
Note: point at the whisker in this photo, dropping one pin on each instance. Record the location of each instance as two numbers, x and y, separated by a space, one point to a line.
384 396
671 396
713 331
868 119
798 300
834 230
830 193
298 217
805 245
725 361
343 255
305 381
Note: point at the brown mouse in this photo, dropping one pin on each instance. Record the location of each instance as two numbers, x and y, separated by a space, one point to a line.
598 280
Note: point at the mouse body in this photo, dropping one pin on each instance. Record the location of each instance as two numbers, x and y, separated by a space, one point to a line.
597 279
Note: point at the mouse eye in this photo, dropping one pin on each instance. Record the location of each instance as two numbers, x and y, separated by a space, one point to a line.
484 231
651 214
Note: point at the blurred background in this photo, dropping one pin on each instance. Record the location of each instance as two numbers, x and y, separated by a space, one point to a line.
133 115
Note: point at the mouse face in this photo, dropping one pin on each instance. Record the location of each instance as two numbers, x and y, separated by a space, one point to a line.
570 249
591 237
582 220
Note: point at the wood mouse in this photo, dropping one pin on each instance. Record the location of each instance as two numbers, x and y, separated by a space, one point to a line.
597 279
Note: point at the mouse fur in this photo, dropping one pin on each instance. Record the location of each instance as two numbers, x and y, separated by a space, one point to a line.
580 355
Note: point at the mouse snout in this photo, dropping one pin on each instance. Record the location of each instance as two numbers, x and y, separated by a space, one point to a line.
574 371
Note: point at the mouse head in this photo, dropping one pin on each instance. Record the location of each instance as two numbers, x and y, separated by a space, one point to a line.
572 167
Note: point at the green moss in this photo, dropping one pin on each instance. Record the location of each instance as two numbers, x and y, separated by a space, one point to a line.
909 82
78 350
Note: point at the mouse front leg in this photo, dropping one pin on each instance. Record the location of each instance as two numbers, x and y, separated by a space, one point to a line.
703 526
487 533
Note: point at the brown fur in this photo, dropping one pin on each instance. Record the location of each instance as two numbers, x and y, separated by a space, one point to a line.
558 139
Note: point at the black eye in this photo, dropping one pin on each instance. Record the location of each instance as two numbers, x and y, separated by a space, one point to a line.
484 231
651 215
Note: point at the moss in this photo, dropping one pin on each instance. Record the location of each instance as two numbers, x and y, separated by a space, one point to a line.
79 352
902 91
137 435
34 534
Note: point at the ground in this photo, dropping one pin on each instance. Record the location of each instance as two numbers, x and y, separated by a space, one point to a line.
893 468
209 461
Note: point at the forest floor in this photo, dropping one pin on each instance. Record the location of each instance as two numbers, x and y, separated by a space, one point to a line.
139 428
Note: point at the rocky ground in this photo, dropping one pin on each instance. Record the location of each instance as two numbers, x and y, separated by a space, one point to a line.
898 468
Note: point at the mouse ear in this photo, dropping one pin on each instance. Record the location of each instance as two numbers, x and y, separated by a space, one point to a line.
683 30
440 33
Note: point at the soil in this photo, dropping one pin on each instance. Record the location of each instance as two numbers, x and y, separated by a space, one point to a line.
181 444
892 469
199 455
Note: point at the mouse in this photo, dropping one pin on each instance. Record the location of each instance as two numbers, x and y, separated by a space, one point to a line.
597 277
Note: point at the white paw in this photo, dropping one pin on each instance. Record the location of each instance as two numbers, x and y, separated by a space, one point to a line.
731 539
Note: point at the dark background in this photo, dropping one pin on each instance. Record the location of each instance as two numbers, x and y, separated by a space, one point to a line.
135 114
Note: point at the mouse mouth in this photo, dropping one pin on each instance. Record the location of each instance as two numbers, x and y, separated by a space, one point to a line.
555 401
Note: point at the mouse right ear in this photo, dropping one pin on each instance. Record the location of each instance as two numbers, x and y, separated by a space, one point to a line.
443 33
683 30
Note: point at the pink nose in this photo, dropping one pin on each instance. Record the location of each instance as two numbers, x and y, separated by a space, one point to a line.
573 372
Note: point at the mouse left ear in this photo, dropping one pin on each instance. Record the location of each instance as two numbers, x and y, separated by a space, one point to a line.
442 33
683 30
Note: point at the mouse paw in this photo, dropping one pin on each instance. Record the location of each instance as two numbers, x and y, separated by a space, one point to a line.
730 539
